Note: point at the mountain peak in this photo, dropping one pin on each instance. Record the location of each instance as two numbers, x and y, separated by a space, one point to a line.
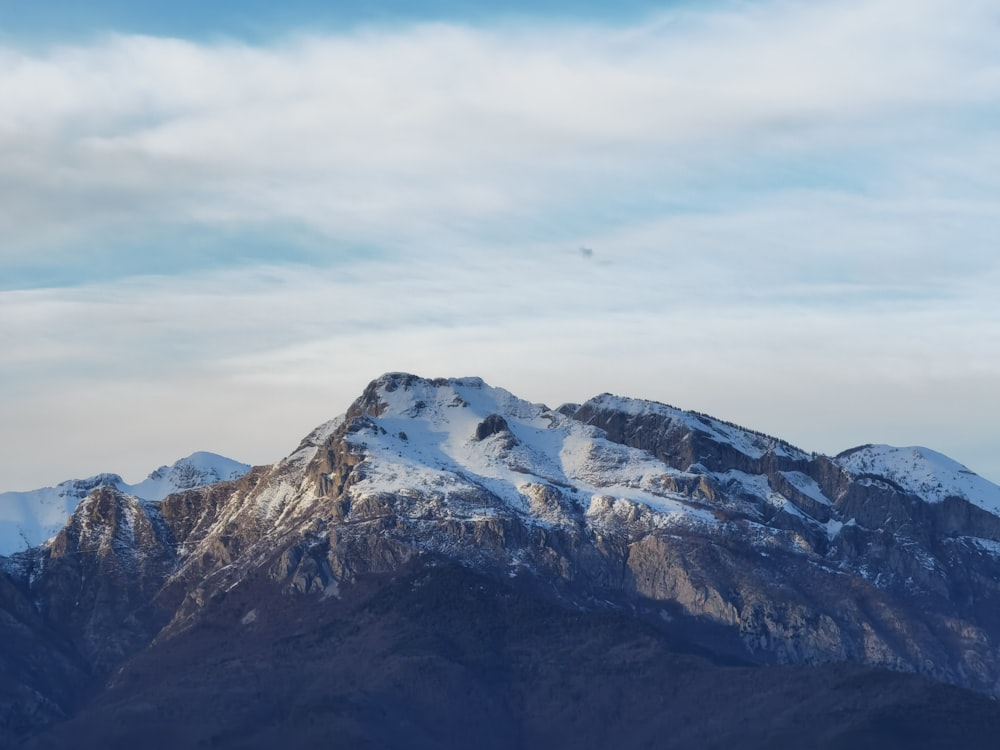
930 475
29 518
398 394
196 470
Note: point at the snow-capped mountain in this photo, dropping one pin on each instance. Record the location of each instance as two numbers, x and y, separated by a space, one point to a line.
691 528
197 470
29 518
929 475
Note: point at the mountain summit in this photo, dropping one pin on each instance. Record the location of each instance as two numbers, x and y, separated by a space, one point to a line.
29 518
411 573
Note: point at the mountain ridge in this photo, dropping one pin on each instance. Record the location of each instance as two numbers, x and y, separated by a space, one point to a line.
732 542
28 518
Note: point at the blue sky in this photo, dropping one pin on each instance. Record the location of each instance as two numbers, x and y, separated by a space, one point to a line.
218 221
261 20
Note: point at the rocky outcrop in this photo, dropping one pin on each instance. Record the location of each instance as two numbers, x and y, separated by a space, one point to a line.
693 440
492 425
96 581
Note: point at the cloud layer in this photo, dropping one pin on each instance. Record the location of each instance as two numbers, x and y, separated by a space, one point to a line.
431 133
790 210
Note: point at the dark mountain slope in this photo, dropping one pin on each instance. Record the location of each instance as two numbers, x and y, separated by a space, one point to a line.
442 657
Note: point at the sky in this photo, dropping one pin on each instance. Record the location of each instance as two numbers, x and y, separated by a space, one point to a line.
219 221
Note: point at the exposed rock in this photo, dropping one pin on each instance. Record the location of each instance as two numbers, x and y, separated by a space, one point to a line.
492 425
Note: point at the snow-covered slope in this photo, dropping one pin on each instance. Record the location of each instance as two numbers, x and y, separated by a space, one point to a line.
29 518
449 441
928 474
197 470
457 443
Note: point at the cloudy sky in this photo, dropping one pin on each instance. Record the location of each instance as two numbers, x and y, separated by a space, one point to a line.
219 221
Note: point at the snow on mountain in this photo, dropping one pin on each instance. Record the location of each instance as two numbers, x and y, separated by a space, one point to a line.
197 470
807 486
29 518
451 439
928 474
748 442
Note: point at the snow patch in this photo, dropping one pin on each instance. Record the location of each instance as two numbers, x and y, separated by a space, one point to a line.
989 546
807 486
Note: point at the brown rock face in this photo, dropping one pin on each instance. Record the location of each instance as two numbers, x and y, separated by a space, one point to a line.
99 577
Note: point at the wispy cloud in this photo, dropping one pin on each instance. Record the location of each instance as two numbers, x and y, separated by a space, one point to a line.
430 133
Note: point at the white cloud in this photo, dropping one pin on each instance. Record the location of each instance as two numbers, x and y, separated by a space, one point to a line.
433 131
790 208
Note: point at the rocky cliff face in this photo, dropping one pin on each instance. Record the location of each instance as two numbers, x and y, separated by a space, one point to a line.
733 541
